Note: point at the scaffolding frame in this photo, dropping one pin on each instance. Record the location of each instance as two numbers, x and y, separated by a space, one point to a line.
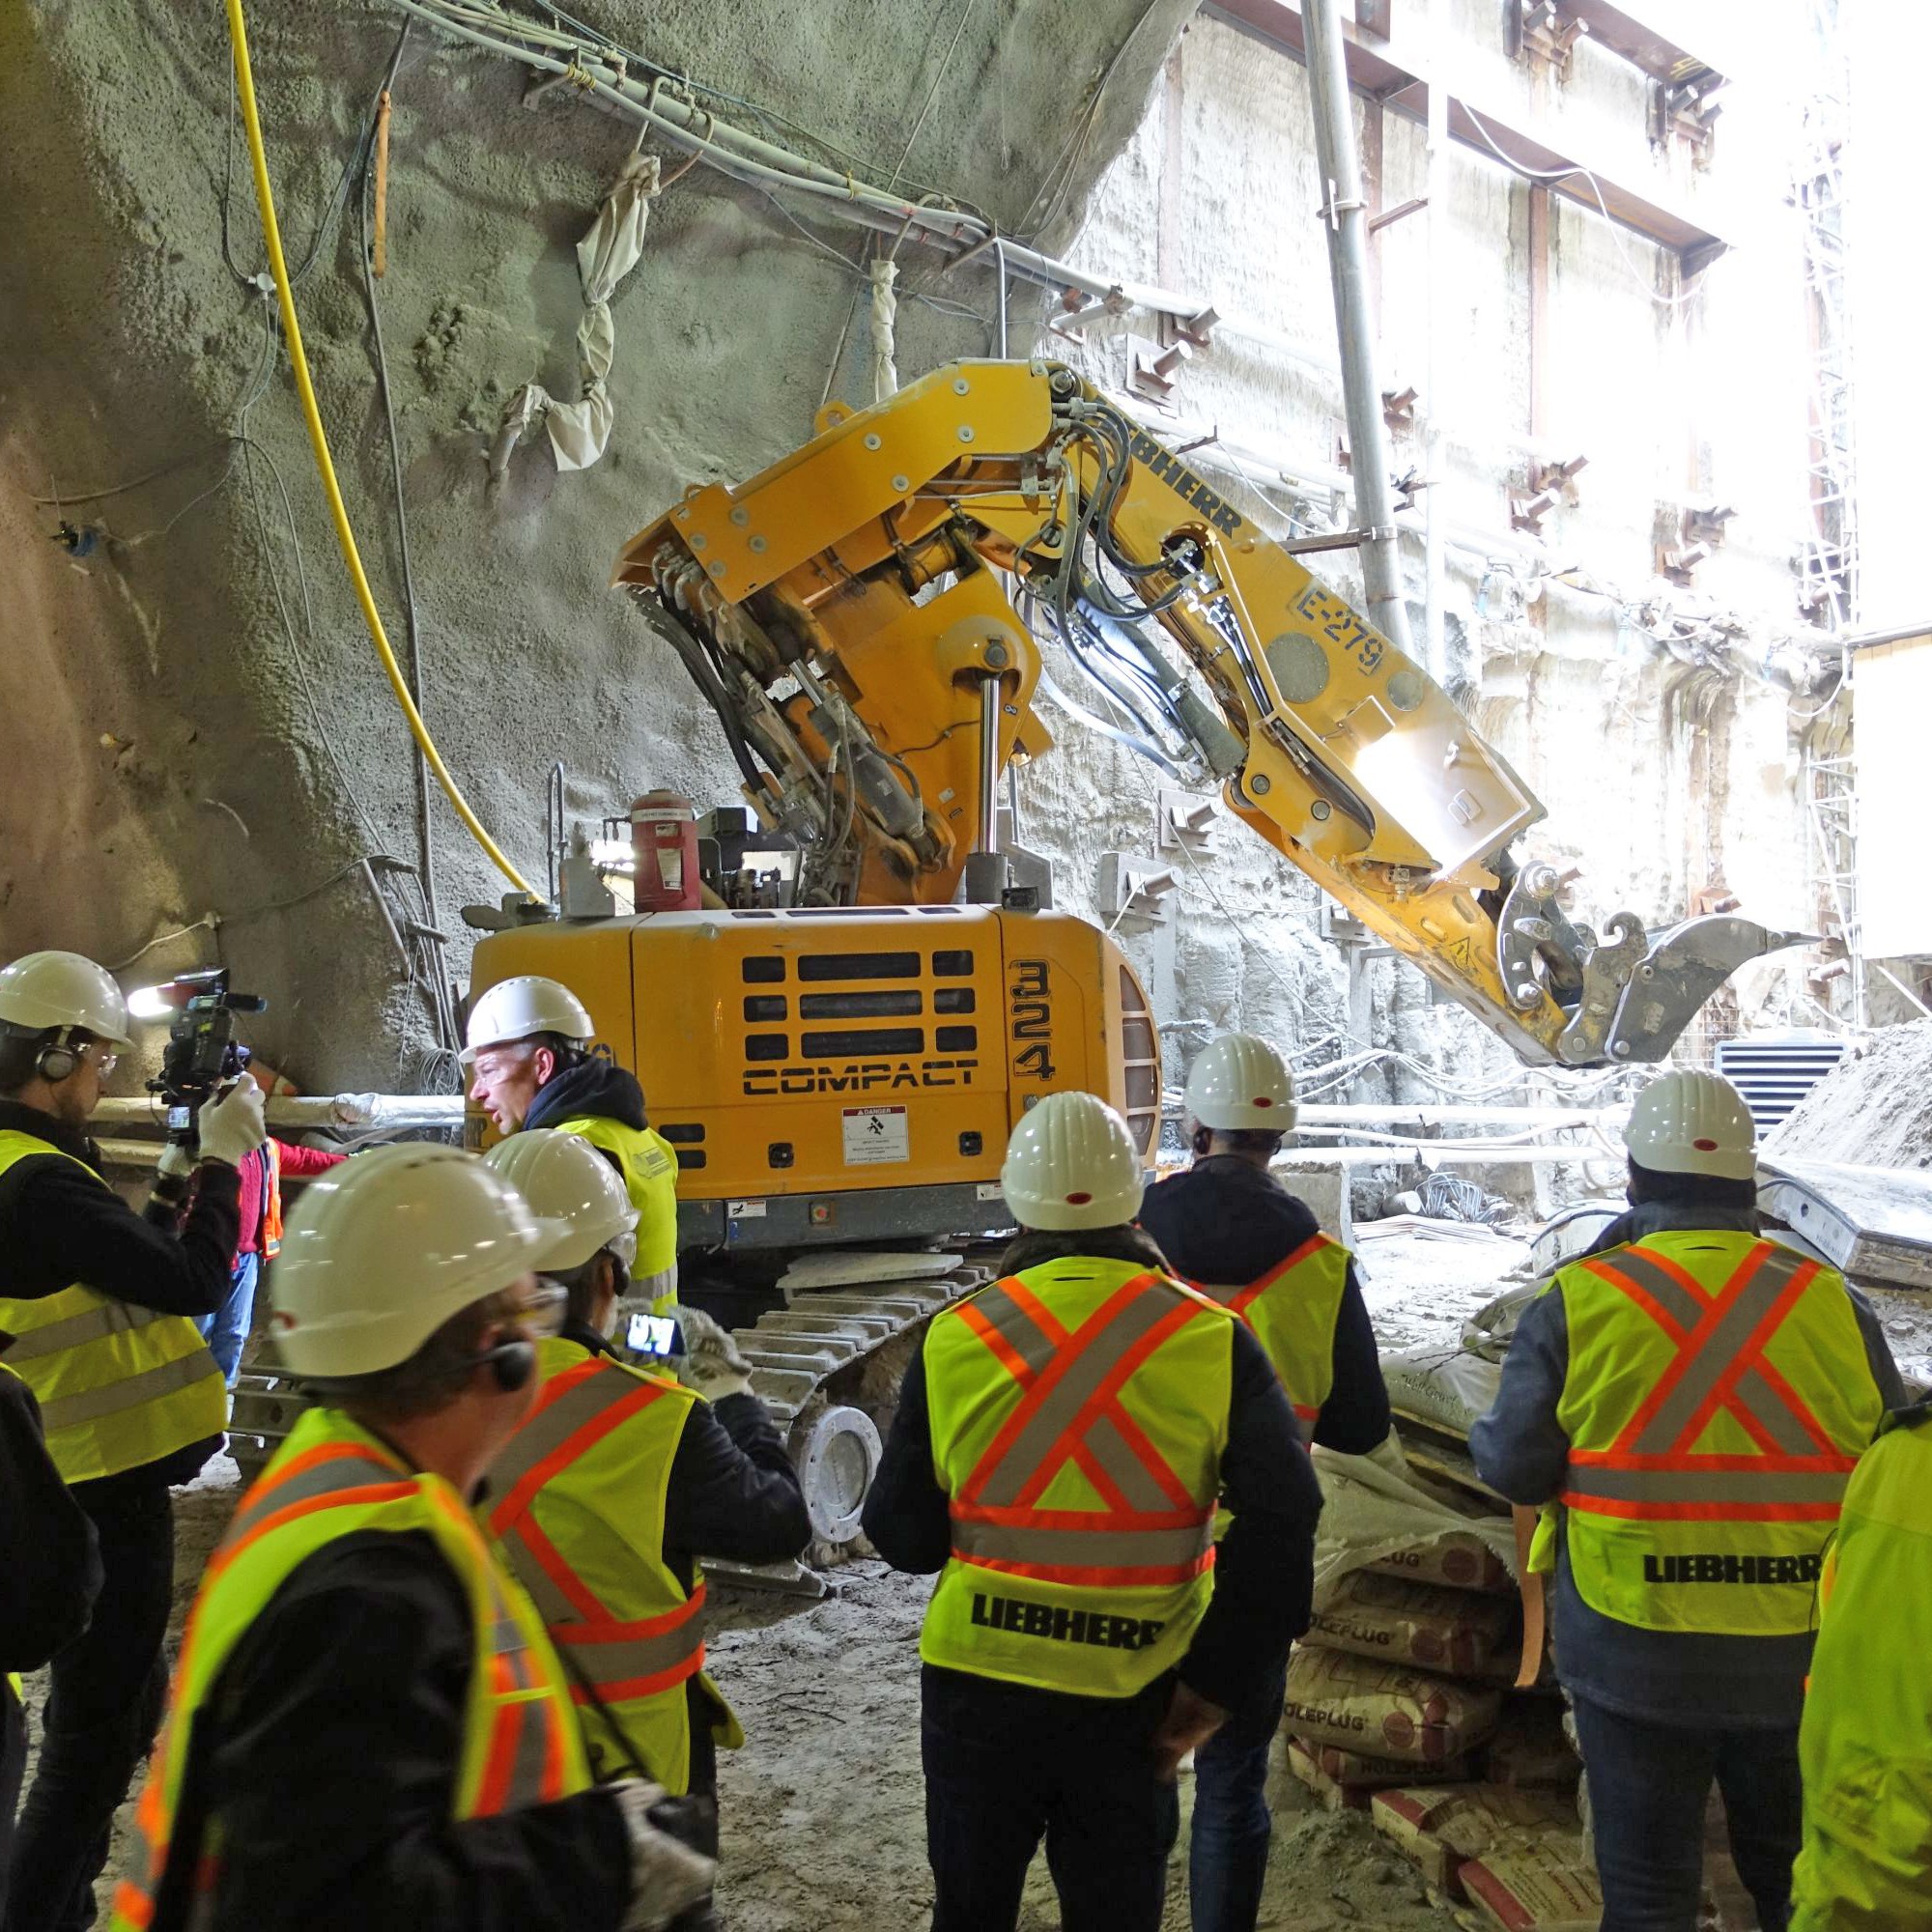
1829 564
1832 805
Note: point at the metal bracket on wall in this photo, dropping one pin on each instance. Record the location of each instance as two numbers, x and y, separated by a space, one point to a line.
1536 30
1549 483
1185 821
1152 370
1134 892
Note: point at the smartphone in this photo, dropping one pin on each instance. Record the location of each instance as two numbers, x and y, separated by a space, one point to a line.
655 1335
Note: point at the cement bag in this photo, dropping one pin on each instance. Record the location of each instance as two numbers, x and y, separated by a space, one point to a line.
1544 1885
1490 1330
1359 1705
1360 1772
1380 1517
1449 1387
1438 1830
1458 1632
1529 1749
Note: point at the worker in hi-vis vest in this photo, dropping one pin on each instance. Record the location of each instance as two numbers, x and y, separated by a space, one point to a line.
1692 1403
619 1477
98 1303
368 1726
1237 1233
1061 1444
1866 1746
528 1052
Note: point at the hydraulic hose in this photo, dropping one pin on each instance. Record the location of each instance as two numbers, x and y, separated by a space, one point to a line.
245 82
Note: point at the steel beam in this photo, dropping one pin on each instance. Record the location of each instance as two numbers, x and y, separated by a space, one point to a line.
1649 208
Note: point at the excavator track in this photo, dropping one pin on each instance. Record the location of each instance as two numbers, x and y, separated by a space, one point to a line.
827 1367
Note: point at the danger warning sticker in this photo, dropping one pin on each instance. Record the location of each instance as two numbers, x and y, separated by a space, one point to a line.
875 1135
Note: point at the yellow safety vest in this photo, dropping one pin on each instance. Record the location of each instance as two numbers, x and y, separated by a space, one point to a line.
648 1164
1292 1310
333 1479
1717 1398
580 1518
1866 1742
119 1385
1079 1414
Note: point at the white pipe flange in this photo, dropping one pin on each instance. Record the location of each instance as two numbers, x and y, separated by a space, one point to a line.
836 1457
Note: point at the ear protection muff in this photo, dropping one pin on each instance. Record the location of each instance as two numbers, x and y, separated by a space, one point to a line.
512 1363
57 1059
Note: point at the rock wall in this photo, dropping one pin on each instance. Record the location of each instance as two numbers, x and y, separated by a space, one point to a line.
198 735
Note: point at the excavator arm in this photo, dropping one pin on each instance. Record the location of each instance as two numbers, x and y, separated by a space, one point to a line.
848 616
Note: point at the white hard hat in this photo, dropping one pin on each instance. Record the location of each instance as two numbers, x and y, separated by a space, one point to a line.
1240 1081
1686 1121
565 1178
380 1252
41 991
516 1009
1072 1163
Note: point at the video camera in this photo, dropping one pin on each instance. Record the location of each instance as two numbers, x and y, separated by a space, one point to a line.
202 1050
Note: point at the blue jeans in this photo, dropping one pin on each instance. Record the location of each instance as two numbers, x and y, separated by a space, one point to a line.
1648 1784
227 1329
1228 1852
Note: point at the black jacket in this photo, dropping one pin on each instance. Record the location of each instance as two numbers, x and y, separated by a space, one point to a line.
595 1087
50 1561
1263 1568
1224 1220
327 1750
59 1226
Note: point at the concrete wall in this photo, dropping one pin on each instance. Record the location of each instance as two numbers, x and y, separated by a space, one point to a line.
1665 771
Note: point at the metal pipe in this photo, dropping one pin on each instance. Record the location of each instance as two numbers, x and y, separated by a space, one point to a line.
1436 1113
1432 1155
987 837
356 1113
1000 298
1345 212
1872 639
1434 646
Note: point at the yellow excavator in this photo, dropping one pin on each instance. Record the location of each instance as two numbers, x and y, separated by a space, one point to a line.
839 1042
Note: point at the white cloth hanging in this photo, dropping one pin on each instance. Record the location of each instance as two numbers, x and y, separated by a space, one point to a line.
580 431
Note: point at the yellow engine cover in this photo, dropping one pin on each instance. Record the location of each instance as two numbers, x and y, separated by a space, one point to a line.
837 1075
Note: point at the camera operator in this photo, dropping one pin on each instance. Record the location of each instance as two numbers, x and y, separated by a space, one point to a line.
99 1301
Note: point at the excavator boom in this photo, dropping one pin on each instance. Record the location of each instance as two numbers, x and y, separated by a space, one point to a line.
847 614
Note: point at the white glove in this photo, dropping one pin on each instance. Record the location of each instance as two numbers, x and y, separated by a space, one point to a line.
175 1164
714 1367
667 1876
233 1123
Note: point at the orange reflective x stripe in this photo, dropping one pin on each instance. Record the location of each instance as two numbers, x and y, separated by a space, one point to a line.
1149 1529
1260 1286
1651 1472
1238 1300
622 1660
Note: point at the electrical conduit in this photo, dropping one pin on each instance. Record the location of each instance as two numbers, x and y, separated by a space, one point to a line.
244 83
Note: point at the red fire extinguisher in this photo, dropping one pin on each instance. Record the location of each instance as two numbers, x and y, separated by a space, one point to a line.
664 841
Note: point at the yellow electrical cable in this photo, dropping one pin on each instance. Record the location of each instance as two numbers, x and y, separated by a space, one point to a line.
244 83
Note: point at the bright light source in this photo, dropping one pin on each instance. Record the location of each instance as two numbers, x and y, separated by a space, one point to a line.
610 852
150 1002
